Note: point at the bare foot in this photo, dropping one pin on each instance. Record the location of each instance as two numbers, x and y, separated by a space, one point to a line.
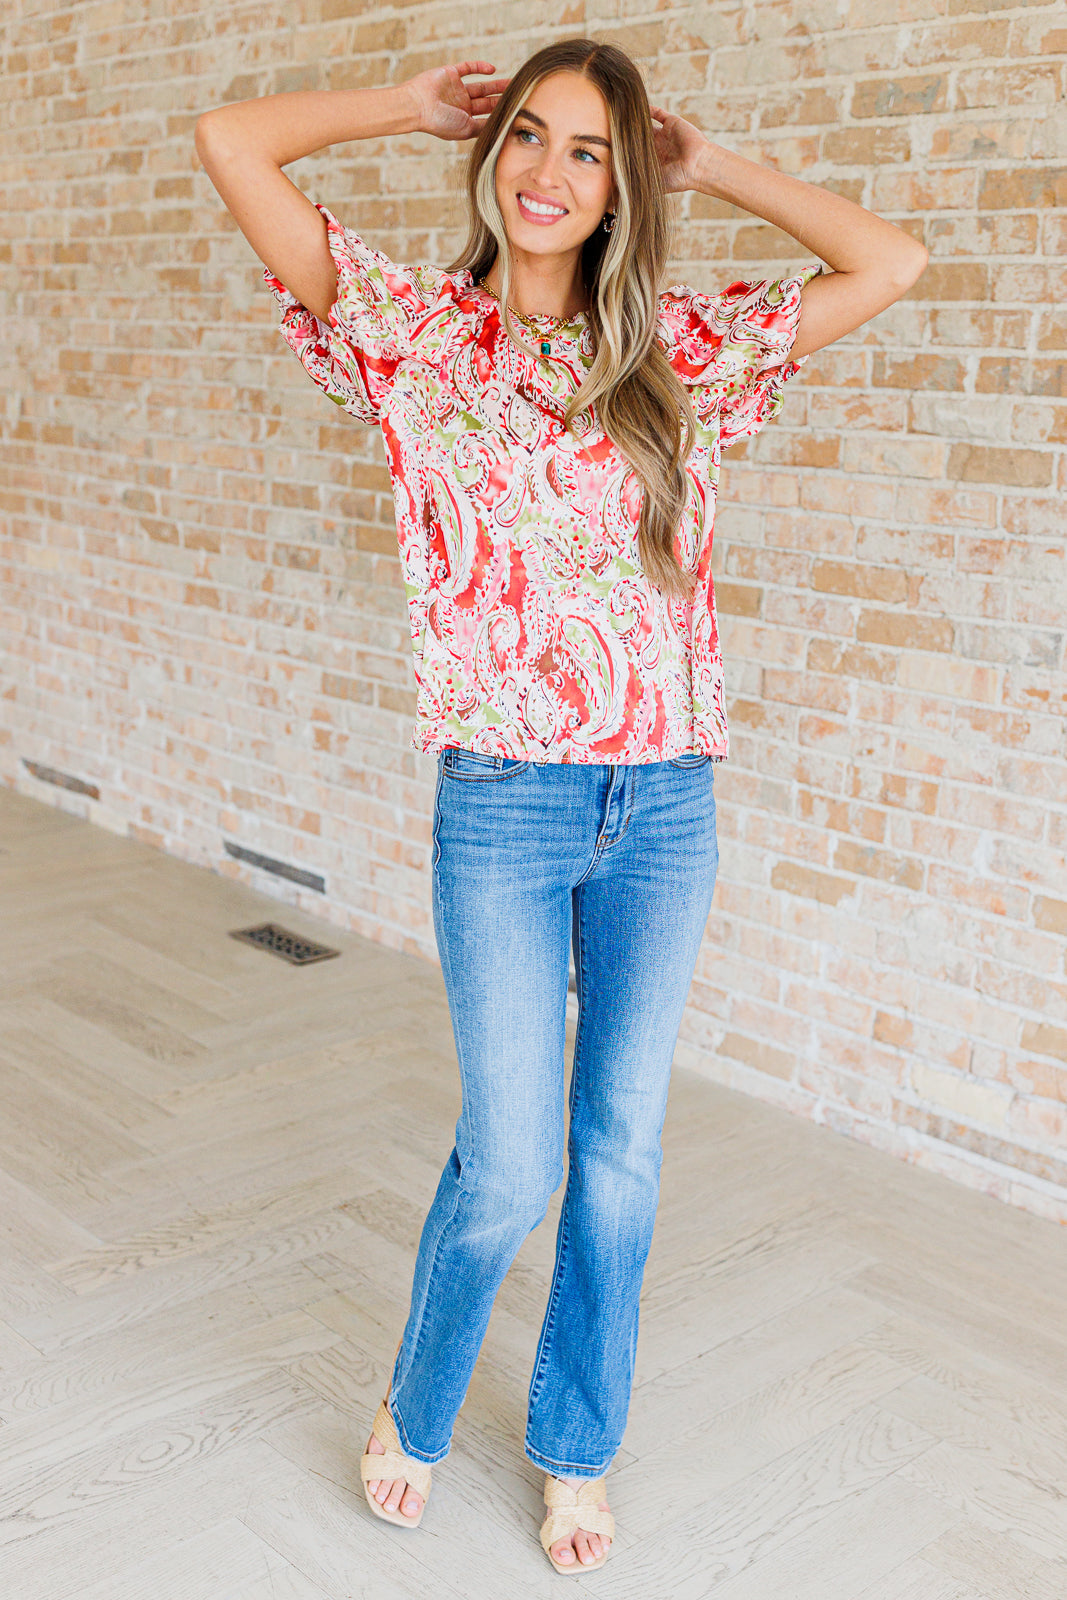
585 1547
390 1493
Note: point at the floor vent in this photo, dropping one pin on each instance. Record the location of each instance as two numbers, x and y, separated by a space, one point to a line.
62 780
280 942
281 869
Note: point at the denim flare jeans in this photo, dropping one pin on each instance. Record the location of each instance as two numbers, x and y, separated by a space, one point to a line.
528 857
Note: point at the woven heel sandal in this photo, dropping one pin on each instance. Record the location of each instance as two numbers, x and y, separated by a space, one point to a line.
393 1464
570 1509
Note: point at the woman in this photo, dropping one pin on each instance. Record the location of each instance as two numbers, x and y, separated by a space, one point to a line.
553 425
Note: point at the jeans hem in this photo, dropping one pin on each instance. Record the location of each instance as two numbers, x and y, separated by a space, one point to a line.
568 1469
402 1434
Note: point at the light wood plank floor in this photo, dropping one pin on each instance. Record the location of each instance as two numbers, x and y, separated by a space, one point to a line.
852 1377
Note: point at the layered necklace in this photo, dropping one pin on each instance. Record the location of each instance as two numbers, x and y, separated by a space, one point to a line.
544 341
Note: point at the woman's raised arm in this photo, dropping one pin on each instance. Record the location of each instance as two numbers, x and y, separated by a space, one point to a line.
874 261
244 146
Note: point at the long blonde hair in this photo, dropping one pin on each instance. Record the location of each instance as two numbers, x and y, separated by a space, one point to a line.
642 406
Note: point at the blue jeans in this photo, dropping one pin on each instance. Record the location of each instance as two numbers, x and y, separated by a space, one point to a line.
527 857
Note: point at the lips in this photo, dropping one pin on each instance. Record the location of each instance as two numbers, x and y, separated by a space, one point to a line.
534 209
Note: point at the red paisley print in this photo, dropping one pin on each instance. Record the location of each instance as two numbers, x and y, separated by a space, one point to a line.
535 631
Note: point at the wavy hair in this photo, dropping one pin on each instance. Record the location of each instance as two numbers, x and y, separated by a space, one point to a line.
642 406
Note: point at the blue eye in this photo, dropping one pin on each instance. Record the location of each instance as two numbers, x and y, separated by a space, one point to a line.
523 134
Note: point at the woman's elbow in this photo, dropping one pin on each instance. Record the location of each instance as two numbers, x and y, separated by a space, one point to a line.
915 264
206 132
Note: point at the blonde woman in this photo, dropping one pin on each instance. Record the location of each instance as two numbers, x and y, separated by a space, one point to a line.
553 424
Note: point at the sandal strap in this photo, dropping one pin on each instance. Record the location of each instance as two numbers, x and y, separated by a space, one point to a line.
564 1524
394 1463
570 1509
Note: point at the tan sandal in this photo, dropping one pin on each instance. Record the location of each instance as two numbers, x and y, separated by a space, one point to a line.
393 1464
570 1509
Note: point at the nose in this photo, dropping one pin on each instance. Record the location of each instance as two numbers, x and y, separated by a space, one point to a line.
547 170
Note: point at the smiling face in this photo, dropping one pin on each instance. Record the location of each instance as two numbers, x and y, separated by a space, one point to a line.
553 173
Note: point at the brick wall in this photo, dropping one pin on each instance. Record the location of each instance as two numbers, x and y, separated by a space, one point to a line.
202 600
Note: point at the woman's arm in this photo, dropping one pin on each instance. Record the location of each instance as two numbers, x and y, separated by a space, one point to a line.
874 262
244 146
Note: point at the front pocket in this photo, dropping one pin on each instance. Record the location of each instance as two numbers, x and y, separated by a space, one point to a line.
478 766
690 759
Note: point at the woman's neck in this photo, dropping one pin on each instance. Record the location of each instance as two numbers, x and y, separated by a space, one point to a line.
549 286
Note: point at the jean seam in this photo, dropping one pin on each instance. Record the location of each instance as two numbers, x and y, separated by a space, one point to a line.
492 774
537 1382
488 777
397 1418
435 859
616 837
402 1435
420 1326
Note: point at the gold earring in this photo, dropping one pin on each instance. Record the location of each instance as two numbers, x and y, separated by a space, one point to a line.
608 221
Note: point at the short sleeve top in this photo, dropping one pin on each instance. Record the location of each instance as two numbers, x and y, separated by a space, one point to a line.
535 632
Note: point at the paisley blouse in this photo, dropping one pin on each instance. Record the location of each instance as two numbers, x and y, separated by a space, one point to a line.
535 632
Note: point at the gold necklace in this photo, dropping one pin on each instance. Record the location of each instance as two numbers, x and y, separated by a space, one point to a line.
545 344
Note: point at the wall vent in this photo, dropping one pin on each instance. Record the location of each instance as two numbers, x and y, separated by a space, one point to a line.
280 942
281 869
62 780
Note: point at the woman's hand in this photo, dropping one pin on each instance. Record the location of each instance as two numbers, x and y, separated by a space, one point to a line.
451 108
682 150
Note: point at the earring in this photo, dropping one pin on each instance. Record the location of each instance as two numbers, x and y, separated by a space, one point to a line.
608 221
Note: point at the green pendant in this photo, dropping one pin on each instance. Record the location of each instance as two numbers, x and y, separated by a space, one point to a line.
546 347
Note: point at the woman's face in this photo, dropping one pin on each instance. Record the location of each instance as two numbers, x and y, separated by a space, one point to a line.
553 173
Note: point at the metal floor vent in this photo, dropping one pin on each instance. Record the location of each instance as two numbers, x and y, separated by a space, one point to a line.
280 942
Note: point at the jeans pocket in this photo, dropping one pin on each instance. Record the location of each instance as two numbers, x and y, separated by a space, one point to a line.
691 758
479 766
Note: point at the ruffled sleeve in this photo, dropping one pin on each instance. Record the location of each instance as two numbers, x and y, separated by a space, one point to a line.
730 349
373 324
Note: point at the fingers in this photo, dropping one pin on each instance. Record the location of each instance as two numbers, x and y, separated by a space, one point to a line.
658 113
492 90
476 126
465 68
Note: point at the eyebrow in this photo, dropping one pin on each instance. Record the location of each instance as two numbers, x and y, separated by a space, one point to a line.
583 138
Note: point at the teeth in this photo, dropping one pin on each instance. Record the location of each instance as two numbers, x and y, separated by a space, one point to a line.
542 210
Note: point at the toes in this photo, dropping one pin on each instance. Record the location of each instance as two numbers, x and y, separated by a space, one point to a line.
392 1497
374 1448
587 1547
390 1492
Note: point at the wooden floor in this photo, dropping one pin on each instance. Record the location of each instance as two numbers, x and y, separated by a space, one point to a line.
852 1377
